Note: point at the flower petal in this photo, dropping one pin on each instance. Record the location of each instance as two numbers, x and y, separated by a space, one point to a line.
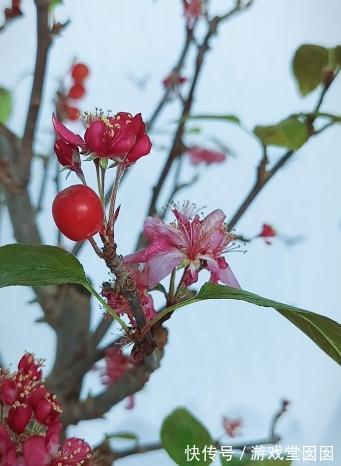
64 133
161 265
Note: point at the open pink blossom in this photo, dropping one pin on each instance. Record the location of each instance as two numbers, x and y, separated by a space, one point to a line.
122 137
199 155
191 241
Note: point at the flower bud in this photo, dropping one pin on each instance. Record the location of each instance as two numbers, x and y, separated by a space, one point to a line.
67 155
18 418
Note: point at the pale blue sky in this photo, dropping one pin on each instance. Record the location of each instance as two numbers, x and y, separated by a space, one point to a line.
222 358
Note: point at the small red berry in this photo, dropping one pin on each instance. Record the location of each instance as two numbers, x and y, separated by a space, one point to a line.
78 212
72 113
79 72
76 91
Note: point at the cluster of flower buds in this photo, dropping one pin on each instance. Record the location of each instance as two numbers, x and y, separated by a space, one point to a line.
14 11
30 423
200 155
67 99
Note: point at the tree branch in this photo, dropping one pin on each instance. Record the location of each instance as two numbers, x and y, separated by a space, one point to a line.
44 39
264 176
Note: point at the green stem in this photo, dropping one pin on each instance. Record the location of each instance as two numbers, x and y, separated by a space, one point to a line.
166 311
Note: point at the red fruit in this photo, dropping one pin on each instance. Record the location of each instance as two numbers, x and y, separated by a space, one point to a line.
76 91
79 72
72 113
78 212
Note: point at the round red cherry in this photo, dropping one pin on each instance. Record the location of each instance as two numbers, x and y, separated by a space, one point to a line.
79 72
78 212
76 91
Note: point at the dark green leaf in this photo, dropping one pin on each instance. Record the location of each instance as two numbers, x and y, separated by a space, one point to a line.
5 105
229 118
308 64
181 429
39 265
325 332
290 133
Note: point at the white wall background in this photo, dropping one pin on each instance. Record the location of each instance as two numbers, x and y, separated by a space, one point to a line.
222 358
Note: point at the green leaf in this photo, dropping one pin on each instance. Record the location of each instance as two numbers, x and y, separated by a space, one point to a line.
41 265
229 118
337 53
290 133
54 3
5 105
325 332
181 429
308 64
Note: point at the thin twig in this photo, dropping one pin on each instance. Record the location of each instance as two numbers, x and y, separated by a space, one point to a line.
247 447
264 176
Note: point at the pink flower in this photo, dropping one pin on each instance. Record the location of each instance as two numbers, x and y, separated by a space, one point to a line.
46 451
7 448
191 241
193 10
173 80
121 304
199 155
116 364
122 137
232 426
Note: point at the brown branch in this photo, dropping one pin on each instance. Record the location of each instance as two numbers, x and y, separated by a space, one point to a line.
131 382
176 69
44 39
264 176
177 144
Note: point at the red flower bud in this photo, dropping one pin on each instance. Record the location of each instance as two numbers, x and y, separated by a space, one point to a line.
267 231
67 155
77 91
18 418
8 391
79 72
47 410
28 365
72 113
